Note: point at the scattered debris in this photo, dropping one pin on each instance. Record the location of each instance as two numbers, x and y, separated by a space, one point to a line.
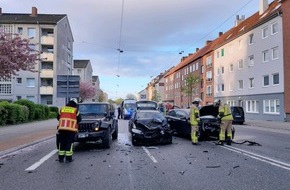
182 172
251 143
236 167
109 166
205 151
104 160
88 178
217 166
152 147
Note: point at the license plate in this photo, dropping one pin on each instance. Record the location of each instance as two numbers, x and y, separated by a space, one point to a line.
238 116
82 135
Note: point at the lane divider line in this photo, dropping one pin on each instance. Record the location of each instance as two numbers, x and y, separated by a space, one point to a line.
41 161
149 154
259 157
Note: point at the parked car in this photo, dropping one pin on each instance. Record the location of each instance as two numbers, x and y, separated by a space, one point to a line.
238 114
128 106
149 127
209 124
98 123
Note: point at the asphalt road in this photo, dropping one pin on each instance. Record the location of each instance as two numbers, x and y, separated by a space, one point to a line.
176 166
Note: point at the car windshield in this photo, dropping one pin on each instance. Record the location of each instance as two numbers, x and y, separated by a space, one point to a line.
150 115
93 109
130 106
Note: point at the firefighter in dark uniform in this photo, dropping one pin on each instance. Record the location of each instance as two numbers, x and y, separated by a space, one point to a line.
68 118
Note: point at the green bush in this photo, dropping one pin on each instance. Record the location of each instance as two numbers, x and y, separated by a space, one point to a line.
53 109
52 115
46 112
31 106
39 112
3 115
23 114
12 112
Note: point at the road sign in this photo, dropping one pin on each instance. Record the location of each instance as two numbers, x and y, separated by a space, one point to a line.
68 86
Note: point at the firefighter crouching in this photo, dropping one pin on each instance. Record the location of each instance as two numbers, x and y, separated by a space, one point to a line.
68 118
194 119
226 123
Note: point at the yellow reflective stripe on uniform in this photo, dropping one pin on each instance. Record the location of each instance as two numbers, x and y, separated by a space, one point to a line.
68 110
70 152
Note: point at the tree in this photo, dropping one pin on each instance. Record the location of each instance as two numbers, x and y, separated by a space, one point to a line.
16 55
119 101
87 91
131 96
101 96
190 83
156 97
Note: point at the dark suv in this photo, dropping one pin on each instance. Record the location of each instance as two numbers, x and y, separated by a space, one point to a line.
98 123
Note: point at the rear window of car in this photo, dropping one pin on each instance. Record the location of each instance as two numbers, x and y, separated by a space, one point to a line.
238 110
150 115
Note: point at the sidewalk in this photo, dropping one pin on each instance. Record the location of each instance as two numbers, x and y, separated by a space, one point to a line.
269 124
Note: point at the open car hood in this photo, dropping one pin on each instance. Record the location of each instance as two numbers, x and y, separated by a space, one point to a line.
209 110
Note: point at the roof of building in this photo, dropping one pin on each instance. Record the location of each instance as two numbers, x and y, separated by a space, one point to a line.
81 63
7 18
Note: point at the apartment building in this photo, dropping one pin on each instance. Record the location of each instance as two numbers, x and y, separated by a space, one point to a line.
247 66
52 36
84 69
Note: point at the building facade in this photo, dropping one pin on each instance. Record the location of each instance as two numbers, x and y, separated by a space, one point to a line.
52 36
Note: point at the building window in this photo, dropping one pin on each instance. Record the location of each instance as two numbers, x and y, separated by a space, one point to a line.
30 82
251 82
276 79
275 53
223 52
252 106
272 106
18 97
231 102
265 55
202 69
231 67
5 88
208 75
265 32
19 80
31 98
218 71
240 64
208 61
19 30
209 90
223 70
274 28
251 60
196 66
79 71
217 88
251 39
31 32
217 54
222 87
266 80
241 84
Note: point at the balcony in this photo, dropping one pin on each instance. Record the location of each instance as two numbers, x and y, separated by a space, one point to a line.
46 73
46 90
47 40
47 56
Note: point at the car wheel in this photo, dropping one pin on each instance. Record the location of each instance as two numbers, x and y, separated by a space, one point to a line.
106 141
115 134
200 135
241 123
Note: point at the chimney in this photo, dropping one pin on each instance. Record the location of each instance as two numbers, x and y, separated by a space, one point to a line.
220 33
263 6
183 58
196 49
207 42
190 54
34 12
239 20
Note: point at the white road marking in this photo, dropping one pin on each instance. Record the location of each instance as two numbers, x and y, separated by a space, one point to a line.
42 160
259 157
149 154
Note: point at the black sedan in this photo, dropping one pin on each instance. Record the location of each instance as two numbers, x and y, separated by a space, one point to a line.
209 124
149 127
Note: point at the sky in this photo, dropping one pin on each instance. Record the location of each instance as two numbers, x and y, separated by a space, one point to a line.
129 42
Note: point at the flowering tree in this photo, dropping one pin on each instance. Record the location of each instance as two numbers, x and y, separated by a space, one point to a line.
15 55
87 90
